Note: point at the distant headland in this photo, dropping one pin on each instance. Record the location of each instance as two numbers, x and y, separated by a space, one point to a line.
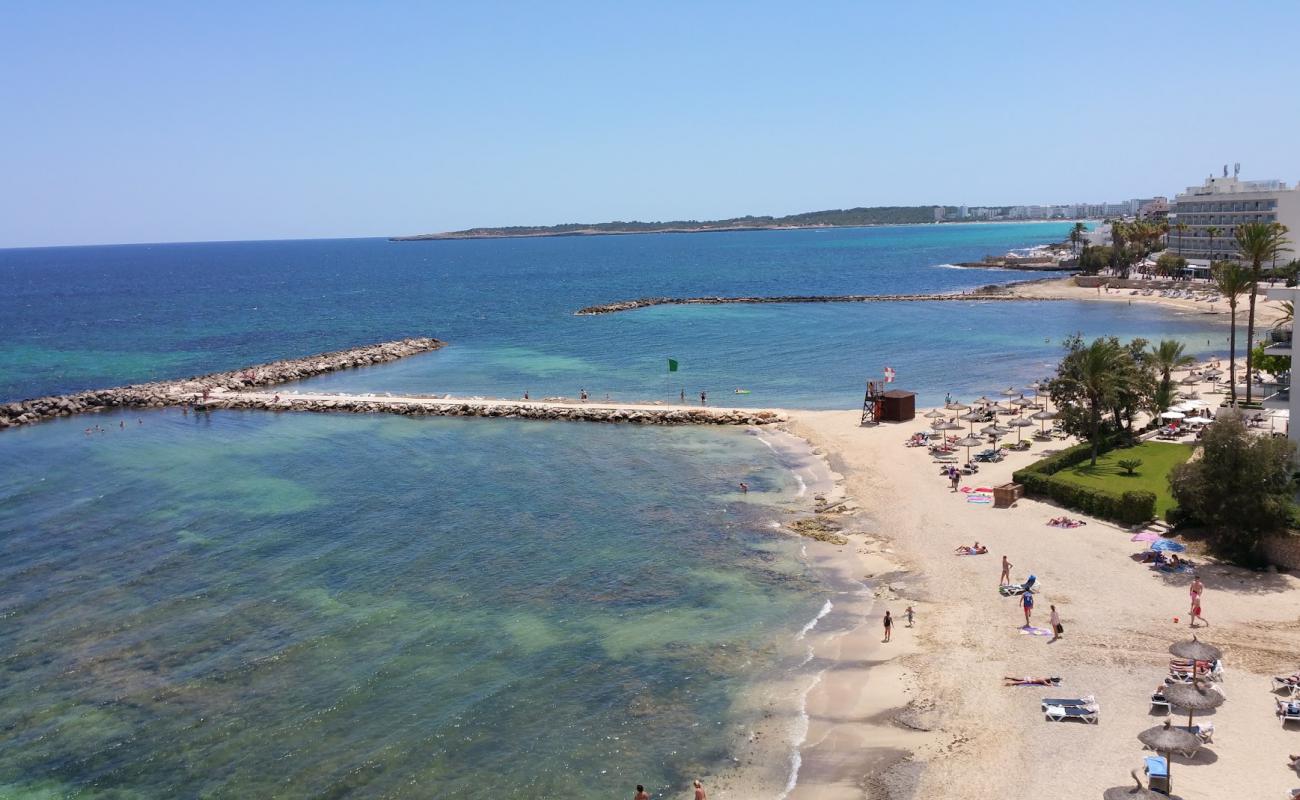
836 218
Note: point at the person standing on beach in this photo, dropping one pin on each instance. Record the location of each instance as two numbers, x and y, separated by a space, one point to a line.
954 475
909 614
1194 591
1027 603
1006 572
700 794
889 626
1057 628
640 793
1196 609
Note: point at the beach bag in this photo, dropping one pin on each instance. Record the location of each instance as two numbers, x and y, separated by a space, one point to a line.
1060 629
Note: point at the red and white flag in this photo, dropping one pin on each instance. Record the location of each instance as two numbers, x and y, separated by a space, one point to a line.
889 374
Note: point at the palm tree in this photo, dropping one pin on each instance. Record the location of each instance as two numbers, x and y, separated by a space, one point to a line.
1288 314
1257 242
1168 356
1212 232
1095 374
1181 227
1231 279
1077 234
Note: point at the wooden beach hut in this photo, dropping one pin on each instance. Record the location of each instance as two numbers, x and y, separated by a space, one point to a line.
897 406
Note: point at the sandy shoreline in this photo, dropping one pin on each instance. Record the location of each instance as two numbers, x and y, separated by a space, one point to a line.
1266 311
928 712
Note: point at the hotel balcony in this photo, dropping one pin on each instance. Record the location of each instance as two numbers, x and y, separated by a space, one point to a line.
1280 396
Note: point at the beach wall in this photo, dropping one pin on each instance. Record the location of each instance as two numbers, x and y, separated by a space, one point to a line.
1283 551
185 390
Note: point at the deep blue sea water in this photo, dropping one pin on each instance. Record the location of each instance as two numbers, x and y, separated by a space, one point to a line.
257 605
86 317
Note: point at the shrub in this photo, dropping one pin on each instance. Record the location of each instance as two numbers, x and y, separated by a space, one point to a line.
1129 465
1240 489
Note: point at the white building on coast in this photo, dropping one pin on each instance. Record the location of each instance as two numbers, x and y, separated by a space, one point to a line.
1224 203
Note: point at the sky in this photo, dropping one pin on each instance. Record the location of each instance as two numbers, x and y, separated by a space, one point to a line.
152 122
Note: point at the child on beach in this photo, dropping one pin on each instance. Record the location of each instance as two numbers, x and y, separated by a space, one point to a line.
1057 628
1027 603
909 614
889 626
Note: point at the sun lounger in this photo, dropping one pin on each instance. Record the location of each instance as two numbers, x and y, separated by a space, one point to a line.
1061 713
1204 731
1288 710
1069 702
1182 671
1157 770
1158 701
1291 684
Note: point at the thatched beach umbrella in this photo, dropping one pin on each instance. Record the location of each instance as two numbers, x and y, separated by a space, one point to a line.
1196 696
1166 739
972 418
1018 423
1138 792
1190 381
947 426
1044 416
1010 392
956 405
1195 650
968 442
936 414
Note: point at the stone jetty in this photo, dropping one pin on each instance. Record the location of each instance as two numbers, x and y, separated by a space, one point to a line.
186 390
238 389
997 293
636 413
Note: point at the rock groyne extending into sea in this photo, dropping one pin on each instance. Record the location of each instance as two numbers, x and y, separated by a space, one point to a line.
509 409
236 390
986 293
186 390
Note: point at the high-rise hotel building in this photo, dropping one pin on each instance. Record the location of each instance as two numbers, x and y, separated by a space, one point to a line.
1224 203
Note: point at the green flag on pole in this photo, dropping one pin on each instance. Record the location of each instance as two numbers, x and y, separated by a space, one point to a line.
672 365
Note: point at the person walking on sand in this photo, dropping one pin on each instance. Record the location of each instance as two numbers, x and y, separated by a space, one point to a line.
909 614
1006 572
1194 591
1027 603
1057 629
889 626
954 475
700 794
1196 612
640 793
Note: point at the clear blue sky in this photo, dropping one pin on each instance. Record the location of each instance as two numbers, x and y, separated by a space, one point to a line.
135 121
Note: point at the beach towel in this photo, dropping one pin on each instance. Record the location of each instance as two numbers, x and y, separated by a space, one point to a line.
1144 536
1031 631
979 498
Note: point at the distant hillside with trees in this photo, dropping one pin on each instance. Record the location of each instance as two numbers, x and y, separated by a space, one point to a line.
835 218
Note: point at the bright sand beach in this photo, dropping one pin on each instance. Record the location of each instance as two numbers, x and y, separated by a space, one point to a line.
926 715
1266 313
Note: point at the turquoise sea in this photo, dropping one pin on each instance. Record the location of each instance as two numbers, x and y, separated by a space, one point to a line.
279 605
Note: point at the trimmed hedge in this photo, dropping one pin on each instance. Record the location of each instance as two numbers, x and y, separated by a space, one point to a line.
1128 508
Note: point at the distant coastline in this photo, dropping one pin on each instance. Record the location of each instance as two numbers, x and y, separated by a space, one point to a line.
884 216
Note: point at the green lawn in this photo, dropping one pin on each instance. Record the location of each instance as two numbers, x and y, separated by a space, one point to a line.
1158 459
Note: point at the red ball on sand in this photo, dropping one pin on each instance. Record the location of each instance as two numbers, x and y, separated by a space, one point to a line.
1175 620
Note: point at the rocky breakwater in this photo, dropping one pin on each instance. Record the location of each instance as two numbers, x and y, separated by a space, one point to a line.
984 293
187 390
414 406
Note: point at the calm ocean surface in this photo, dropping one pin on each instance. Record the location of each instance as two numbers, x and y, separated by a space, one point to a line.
262 605
86 317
